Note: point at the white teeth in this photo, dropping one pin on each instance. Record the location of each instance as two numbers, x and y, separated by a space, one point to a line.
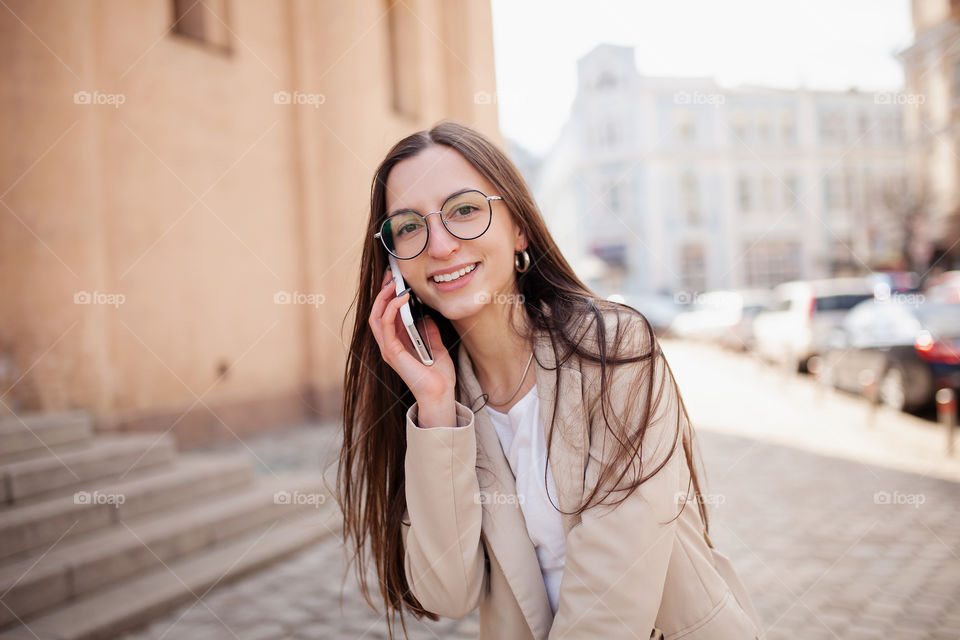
447 277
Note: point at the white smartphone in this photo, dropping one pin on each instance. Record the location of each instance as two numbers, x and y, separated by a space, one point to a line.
406 315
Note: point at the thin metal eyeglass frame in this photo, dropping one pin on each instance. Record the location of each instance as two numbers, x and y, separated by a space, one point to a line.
379 234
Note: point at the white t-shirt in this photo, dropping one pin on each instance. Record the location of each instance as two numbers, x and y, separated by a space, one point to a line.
523 441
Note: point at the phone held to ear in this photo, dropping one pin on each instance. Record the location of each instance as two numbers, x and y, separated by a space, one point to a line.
406 315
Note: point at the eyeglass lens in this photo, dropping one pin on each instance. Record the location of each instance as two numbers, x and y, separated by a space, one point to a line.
466 216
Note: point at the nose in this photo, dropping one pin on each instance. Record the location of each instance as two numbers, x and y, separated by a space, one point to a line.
441 243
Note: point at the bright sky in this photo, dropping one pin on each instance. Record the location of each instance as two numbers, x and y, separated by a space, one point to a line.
826 44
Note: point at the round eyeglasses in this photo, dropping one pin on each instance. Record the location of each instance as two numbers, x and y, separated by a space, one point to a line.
466 215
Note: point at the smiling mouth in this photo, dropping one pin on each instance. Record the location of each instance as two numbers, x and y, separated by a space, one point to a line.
456 275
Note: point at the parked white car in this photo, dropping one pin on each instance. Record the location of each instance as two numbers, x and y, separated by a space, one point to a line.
804 314
725 317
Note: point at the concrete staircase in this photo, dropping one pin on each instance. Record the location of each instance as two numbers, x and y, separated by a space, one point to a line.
99 533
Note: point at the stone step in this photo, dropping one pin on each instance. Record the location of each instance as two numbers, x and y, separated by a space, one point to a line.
33 431
97 505
73 568
110 612
103 457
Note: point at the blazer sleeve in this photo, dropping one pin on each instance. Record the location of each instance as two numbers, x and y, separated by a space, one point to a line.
444 557
617 557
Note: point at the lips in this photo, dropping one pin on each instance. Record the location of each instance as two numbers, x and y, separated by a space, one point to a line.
458 283
452 276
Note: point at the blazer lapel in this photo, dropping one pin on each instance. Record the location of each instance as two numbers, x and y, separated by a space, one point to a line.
504 526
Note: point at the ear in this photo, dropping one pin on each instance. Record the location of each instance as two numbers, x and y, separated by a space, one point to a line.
520 243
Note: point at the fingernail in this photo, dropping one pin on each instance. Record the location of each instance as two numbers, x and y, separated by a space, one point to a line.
388 282
407 290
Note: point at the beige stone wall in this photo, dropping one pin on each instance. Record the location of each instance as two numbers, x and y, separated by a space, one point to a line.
190 205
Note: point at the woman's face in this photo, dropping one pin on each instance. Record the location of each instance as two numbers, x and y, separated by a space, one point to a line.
422 183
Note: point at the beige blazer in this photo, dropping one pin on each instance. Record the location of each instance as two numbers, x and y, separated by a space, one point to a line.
466 543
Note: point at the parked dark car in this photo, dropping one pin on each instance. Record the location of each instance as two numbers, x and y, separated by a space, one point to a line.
897 351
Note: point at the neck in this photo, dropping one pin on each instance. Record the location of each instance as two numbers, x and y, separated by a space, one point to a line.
498 354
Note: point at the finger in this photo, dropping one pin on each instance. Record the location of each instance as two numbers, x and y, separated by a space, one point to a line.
435 340
389 321
379 303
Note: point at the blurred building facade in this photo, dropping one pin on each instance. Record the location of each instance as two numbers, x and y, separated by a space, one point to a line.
185 190
932 125
677 184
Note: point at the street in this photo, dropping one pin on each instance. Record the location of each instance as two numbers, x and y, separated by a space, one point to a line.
841 521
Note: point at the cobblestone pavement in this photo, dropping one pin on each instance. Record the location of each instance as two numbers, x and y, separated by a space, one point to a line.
828 546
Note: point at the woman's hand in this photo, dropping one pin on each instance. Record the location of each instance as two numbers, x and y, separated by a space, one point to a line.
430 384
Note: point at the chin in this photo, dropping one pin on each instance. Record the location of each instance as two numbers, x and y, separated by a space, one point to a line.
459 309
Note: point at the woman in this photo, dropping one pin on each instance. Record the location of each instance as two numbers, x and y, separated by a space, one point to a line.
540 467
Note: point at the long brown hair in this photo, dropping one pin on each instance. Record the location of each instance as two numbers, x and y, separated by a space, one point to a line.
370 478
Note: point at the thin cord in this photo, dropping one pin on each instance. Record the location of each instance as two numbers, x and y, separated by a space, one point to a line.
517 390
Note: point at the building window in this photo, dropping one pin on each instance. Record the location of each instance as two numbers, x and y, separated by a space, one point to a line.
788 131
606 80
766 193
770 262
791 191
832 126
738 125
891 127
690 197
205 22
404 53
863 126
612 197
833 196
849 190
763 127
606 134
684 126
693 267
743 194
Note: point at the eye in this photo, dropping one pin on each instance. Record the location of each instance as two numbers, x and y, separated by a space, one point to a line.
407 228
464 210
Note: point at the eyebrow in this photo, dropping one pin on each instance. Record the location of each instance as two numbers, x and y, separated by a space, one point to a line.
455 193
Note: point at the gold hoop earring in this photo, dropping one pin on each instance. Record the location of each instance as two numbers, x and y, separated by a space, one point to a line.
526 261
